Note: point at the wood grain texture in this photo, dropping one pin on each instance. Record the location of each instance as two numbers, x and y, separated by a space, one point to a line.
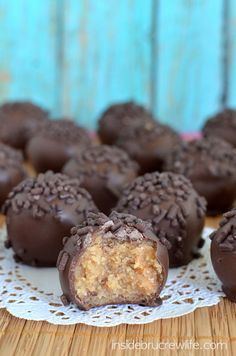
29 51
77 57
106 55
189 48
205 325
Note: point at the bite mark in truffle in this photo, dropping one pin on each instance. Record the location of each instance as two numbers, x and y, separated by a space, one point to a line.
117 260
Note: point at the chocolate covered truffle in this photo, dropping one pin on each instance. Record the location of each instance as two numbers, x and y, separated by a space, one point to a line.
222 125
12 171
223 253
149 145
55 144
119 117
40 212
210 164
174 208
115 260
19 121
103 171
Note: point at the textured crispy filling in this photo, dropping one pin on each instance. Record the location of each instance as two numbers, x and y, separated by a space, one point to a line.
110 271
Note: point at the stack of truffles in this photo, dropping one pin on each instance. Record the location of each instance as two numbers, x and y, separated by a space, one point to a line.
114 212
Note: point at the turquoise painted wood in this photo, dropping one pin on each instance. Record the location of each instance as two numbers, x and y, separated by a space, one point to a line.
231 63
29 51
107 55
189 61
78 56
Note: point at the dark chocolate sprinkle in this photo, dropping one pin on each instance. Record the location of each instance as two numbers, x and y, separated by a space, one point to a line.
62 260
220 161
64 300
42 195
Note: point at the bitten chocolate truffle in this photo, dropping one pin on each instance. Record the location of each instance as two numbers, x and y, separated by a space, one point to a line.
119 117
149 145
40 212
222 125
55 144
103 171
174 208
12 171
115 260
223 253
210 164
19 121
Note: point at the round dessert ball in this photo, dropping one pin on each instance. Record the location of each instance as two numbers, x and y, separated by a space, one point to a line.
40 212
210 164
19 121
223 253
174 208
103 171
115 260
222 125
149 145
55 144
12 171
120 116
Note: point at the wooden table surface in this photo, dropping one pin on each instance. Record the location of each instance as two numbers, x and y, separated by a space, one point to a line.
205 325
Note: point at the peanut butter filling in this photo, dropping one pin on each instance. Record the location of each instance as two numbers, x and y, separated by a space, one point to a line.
113 271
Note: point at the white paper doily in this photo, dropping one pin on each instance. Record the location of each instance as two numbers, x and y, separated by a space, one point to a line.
34 293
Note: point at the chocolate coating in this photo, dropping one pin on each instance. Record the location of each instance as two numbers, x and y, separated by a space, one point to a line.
149 145
40 212
223 253
119 117
222 125
55 144
19 121
12 171
103 171
120 228
210 164
174 208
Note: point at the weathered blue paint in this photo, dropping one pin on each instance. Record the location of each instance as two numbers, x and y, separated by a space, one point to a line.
231 56
189 60
78 56
28 51
107 55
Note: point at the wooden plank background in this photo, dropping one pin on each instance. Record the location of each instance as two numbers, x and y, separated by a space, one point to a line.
76 57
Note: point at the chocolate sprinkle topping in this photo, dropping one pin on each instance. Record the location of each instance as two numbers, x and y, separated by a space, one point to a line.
64 131
215 155
119 117
10 157
225 236
144 133
40 195
227 117
167 201
23 110
102 161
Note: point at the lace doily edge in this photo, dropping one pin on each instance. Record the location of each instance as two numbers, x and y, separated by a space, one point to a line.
149 319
